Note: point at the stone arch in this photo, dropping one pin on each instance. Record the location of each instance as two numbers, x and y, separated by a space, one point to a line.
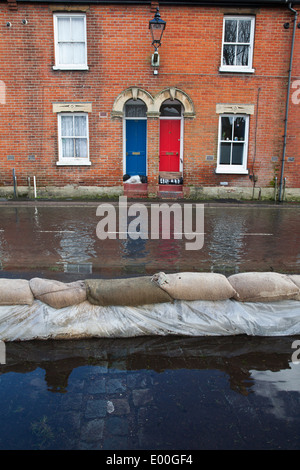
131 93
173 93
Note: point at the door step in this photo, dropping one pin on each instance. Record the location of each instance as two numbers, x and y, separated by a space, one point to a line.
170 187
170 191
170 194
136 190
165 191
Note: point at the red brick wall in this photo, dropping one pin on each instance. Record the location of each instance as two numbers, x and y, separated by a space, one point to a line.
119 57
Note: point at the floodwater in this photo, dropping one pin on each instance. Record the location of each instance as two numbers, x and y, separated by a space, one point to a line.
151 393
61 240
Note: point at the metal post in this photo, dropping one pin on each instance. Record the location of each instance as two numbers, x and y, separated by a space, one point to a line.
288 99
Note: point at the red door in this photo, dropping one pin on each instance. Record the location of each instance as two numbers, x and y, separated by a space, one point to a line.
169 146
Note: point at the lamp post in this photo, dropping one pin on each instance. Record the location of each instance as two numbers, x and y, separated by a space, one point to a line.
157 27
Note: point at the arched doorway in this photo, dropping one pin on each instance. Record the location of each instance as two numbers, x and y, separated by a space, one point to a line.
171 136
135 137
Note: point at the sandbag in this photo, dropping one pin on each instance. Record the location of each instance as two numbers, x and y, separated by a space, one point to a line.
58 294
130 291
296 280
15 292
195 286
263 287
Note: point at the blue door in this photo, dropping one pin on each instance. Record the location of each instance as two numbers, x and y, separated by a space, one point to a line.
136 137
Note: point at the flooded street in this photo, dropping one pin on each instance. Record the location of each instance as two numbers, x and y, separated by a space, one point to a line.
149 393
60 240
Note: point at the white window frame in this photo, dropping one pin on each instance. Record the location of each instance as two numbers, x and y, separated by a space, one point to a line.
233 169
57 65
239 68
74 161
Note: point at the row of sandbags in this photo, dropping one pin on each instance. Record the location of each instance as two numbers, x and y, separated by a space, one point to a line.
156 289
244 287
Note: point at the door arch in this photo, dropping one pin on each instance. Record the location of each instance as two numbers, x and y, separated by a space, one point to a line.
171 136
135 138
173 93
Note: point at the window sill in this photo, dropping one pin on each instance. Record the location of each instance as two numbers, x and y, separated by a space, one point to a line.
70 67
73 163
231 171
236 70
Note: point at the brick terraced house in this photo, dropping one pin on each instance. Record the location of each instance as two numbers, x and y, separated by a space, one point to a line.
86 98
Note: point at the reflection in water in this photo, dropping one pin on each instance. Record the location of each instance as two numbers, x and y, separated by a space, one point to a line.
237 239
76 248
169 252
157 353
150 393
133 249
227 236
3 250
272 385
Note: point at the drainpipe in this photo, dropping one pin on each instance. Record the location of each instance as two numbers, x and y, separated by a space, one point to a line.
287 100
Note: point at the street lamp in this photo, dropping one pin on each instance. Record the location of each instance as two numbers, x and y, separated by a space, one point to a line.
157 27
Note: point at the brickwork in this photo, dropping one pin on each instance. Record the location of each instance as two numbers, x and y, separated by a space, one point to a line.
119 53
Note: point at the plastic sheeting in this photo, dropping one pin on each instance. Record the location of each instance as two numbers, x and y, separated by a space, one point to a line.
184 318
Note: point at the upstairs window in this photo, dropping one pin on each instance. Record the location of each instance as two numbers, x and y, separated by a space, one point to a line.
237 48
70 41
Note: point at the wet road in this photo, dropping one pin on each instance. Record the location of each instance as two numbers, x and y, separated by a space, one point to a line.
59 240
159 393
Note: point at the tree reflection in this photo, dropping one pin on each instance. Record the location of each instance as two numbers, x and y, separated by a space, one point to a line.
237 37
